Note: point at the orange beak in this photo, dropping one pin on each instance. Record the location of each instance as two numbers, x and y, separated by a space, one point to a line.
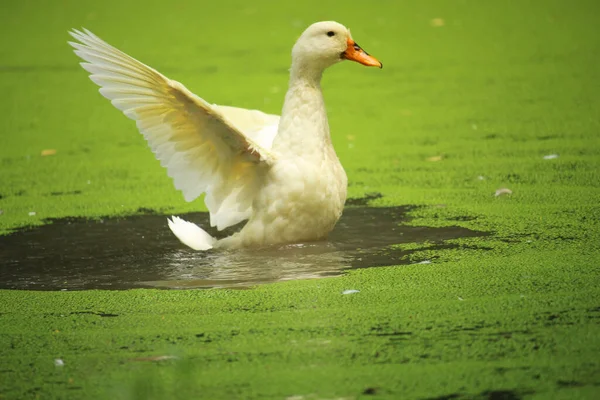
355 53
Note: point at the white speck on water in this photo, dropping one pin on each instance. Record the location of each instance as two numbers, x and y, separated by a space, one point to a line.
550 157
424 262
502 191
59 363
481 178
350 291
437 22
460 298
156 358
32 213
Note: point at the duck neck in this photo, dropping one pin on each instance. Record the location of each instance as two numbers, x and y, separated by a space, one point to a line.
303 127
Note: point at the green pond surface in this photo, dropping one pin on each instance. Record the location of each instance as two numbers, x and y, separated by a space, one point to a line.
475 96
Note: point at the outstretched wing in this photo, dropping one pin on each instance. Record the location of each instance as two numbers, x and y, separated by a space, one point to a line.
258 126
202 151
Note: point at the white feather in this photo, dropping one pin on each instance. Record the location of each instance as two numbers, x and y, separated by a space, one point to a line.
203 151
191 234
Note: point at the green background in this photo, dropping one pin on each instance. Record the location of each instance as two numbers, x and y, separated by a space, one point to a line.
487 88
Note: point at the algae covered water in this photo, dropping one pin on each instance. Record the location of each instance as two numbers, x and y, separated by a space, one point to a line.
476 98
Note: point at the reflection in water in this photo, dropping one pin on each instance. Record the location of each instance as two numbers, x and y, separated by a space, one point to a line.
140 251
246 267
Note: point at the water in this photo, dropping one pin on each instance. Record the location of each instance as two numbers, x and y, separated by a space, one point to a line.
141 251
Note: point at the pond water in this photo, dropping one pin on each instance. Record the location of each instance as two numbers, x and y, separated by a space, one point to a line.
141 251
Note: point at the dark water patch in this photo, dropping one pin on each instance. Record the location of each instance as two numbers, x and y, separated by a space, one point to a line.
503 370
363 201
73 192
16 194
141 251
565 238
487 395
146 211
446 397
501 395
547 137
98 313
569 384
462 218
398 335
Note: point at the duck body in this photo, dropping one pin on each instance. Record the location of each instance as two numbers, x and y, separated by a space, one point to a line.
281 174
306 210
303 193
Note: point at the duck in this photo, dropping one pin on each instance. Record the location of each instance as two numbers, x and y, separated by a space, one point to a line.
279 174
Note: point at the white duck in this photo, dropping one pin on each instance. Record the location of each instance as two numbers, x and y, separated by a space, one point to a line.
280 174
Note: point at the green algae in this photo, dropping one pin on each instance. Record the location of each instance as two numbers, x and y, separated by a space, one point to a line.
488 94
468 326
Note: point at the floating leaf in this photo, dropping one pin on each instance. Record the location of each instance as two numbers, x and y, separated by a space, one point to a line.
503 191
437 22
350 291
48 152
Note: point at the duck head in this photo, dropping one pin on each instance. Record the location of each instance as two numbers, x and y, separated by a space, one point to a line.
326 43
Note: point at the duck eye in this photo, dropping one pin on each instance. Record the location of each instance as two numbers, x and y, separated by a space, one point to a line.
331 33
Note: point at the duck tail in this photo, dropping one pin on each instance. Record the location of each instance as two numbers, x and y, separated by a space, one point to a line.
191 234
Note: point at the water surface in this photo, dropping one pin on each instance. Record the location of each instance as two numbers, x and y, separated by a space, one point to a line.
141 251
